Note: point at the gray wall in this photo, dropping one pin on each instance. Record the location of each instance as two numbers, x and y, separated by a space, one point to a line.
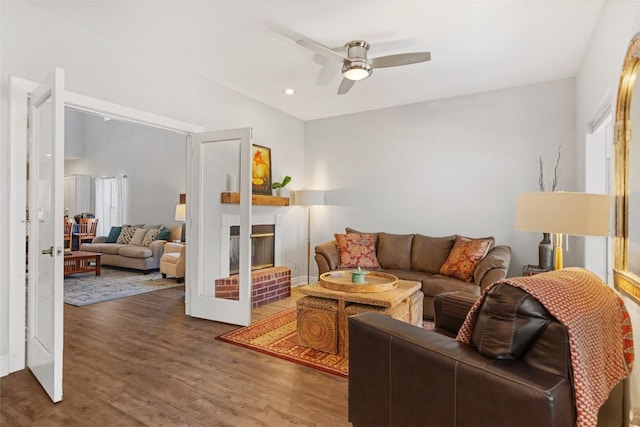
451 166
153 159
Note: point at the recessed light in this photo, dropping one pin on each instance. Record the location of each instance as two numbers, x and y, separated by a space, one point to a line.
289 91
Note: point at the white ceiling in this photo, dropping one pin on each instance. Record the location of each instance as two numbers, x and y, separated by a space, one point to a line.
476 46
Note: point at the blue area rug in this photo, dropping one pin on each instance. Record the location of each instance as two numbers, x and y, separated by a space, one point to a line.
87 288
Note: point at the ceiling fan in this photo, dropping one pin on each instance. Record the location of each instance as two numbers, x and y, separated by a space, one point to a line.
355 64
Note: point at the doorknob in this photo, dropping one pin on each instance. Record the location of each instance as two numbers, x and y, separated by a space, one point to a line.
48 251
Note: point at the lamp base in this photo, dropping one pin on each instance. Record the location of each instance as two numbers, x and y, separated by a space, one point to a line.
558 253
545 252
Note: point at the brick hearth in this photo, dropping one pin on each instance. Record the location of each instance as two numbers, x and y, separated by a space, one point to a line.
268 285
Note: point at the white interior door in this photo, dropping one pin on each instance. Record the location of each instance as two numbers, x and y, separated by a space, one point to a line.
217 161
46 213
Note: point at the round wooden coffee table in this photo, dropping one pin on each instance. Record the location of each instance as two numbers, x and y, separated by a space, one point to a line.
374 281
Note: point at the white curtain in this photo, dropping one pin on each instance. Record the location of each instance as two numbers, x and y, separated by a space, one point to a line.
102 211
111 203
121 200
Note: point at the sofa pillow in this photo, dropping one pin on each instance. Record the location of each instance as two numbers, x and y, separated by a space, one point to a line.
113 235
429 253
126 234
394 251
138 236
356 250
164 233
350 230
465 256
151 236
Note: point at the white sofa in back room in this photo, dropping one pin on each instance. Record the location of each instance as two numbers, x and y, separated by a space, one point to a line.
136 247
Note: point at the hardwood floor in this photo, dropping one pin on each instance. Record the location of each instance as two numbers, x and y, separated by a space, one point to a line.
139 361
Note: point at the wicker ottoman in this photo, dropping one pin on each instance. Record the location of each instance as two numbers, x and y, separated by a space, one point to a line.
318 323
409 311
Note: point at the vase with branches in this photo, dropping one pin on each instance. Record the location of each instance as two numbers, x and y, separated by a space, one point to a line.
545 248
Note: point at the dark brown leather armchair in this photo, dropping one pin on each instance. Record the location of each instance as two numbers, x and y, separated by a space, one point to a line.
401 375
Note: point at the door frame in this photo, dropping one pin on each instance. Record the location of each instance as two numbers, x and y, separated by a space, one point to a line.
19 92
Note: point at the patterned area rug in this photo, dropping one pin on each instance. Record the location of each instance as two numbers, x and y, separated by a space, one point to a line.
276 336
87 288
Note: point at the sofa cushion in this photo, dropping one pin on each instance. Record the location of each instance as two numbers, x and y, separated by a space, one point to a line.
105 248
507 321
394 251
416 276
135 252
151 236
429 253
164 233
437 284
356 250
465 256
350 230
126 234
113 234
138 236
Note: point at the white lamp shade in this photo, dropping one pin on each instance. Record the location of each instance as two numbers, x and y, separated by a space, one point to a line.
181 212
308 197
577 214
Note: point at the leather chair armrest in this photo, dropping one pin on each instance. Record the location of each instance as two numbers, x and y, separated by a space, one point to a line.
451 310
99 239
328 251
401 375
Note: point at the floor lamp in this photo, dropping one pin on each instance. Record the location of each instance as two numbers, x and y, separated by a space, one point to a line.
308 198
576 214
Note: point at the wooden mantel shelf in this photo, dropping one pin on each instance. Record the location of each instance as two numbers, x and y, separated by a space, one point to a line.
256 199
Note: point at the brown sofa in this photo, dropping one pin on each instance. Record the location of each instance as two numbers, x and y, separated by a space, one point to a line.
401 375
417 257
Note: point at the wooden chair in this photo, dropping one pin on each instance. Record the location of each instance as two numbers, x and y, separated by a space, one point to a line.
68 233
86 230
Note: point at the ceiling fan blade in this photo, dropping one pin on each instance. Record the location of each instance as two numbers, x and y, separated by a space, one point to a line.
345 86
400 59
328 70
321 49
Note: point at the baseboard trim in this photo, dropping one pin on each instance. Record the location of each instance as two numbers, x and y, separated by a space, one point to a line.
302 280
4 366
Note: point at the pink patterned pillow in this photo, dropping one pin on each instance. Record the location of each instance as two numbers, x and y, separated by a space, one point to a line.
356 250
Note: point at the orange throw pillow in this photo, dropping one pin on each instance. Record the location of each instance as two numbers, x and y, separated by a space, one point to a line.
356 250
464 257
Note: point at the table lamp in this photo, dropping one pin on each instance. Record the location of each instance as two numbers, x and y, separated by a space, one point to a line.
576 214
308 198
181 216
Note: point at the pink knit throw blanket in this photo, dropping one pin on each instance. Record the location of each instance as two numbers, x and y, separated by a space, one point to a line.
599 329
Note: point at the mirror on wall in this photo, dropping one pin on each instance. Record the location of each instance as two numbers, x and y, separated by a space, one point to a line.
627 231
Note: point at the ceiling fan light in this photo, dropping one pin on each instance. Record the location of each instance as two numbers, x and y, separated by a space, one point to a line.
356 70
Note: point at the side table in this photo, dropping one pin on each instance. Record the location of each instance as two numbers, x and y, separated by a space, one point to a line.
531 270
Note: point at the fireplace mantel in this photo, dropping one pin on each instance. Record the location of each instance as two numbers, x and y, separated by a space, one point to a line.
256 199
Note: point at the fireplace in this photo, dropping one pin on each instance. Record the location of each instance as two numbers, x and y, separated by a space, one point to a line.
262 247
229 243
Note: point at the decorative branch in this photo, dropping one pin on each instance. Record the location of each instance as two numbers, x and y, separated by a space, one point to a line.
541 175
554 183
